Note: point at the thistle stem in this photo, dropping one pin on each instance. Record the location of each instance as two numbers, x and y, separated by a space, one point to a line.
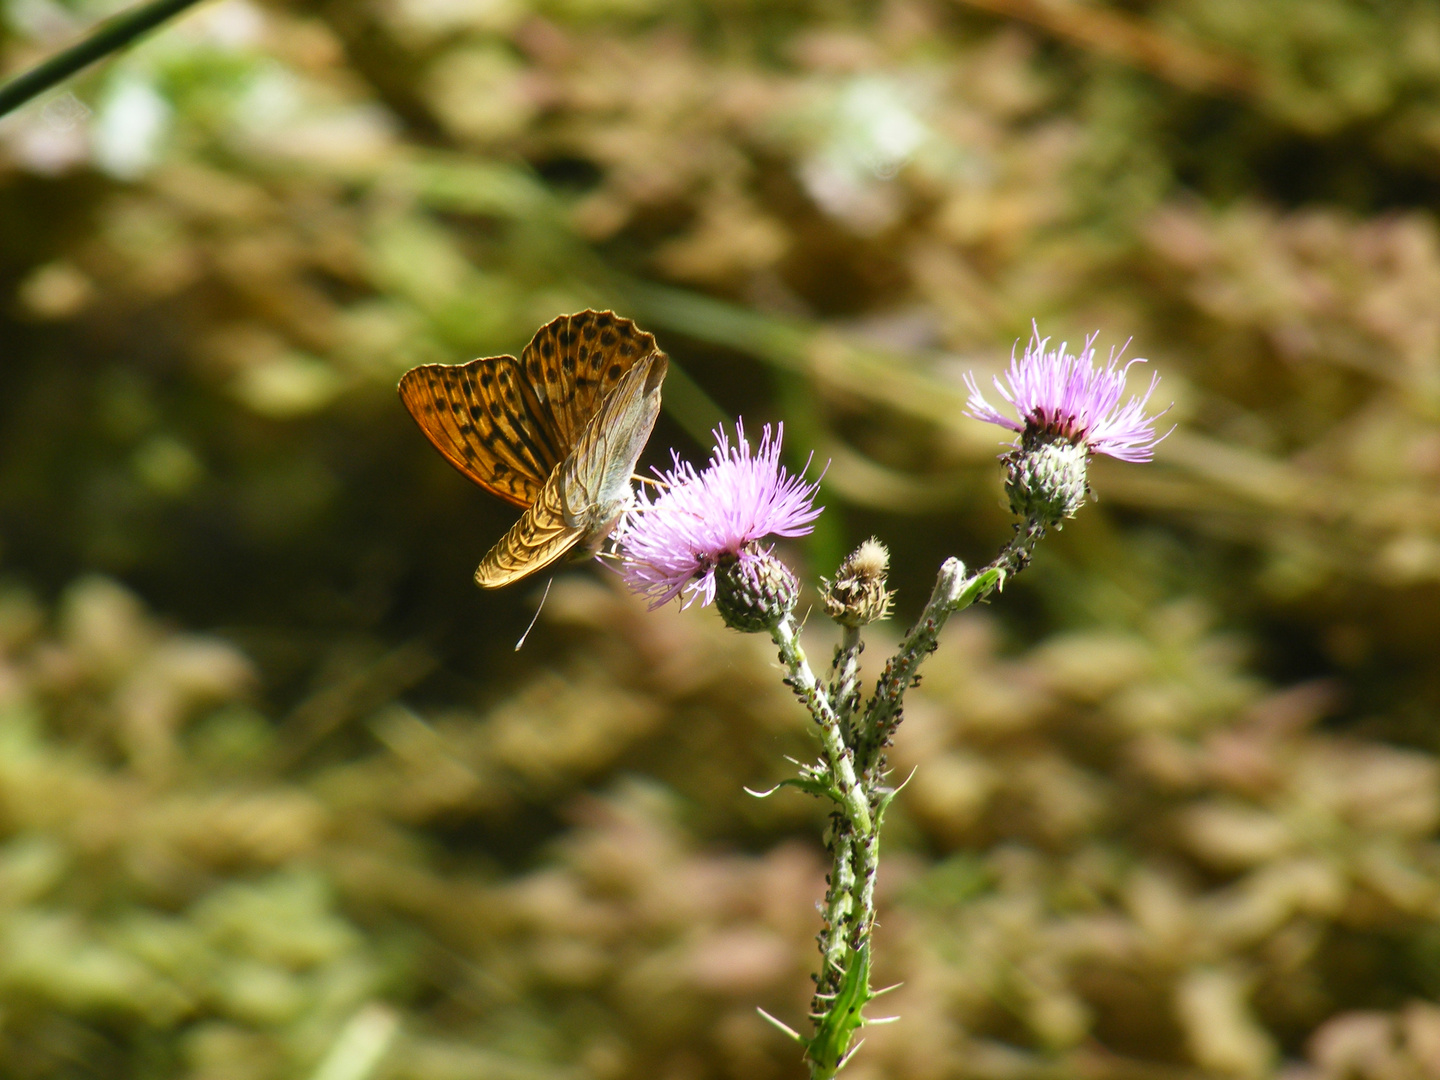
868 857
850 738
839 912
843 984
953 592
840 758
845 680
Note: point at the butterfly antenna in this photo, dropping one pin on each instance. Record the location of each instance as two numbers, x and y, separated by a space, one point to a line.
536 619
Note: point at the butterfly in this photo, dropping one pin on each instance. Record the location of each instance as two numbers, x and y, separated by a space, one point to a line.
557 432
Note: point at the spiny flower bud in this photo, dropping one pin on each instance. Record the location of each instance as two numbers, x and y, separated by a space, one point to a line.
1045 478
754 591
858 595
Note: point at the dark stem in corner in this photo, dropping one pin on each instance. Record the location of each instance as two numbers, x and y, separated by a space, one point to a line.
110 36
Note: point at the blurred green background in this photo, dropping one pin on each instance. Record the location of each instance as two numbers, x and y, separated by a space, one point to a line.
277 798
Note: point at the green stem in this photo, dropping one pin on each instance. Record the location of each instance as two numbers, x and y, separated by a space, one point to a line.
953 592
868 869
843 986
845 679
839 914
112 34
830 1047
840 758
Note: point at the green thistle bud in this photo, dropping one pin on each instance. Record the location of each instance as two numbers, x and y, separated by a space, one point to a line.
755 591
1045 478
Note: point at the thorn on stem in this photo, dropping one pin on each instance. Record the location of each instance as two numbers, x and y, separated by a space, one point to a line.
786 1028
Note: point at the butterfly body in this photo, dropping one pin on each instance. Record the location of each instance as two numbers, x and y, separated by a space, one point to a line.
557 432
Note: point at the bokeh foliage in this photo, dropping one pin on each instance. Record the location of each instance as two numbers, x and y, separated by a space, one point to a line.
276 797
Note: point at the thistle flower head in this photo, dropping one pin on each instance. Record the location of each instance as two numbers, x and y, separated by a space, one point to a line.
1069 408
713 521
1057 393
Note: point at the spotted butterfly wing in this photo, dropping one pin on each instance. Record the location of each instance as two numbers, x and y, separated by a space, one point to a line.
480 416
574 362
550 432
586 493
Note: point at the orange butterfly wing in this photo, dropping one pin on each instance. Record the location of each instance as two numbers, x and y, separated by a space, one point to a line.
583 497
483 417
507 423
539 538
574 362
537 431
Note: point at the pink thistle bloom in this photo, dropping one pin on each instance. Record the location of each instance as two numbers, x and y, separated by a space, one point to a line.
673 543
1058 393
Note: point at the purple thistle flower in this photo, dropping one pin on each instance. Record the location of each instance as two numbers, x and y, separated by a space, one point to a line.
673 544
1060 394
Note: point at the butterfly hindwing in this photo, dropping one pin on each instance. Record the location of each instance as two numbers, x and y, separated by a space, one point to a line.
483 419
534 542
